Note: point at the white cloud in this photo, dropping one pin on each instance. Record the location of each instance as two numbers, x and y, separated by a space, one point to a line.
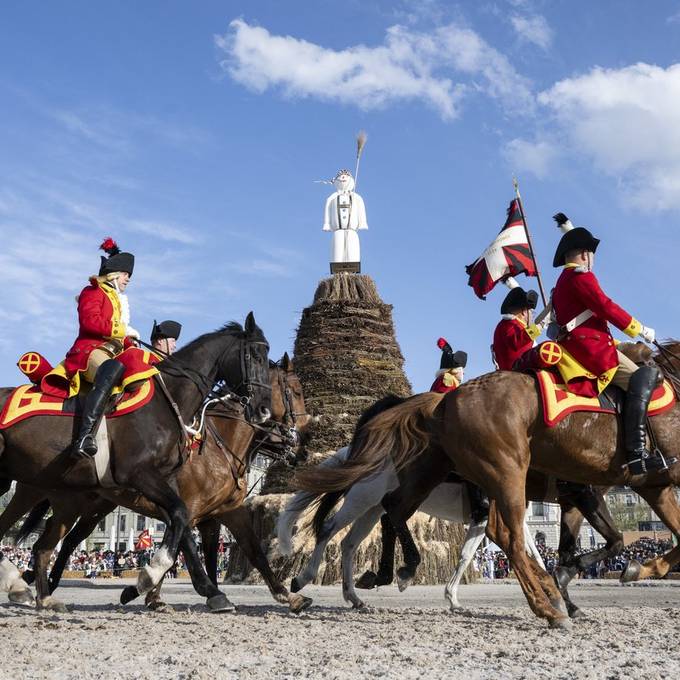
627 121
438 68
535 156
533 29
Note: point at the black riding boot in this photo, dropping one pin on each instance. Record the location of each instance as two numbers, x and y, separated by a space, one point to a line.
640 388
107 377
479 503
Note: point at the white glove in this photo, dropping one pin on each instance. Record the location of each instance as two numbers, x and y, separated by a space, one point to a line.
132 333
647 334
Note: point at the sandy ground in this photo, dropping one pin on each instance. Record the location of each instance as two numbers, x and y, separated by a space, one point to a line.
629 632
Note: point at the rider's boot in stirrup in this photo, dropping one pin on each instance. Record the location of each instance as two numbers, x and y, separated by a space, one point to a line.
640 388
479 503
107 377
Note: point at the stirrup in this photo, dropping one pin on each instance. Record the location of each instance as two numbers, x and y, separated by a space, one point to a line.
86 446
647 463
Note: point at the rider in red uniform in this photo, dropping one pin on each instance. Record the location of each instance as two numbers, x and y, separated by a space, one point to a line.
449 376
591 360
515 334
104 352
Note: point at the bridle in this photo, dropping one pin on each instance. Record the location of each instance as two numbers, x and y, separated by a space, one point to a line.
220 389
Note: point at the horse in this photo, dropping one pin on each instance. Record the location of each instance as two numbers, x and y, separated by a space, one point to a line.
213 486
149 446
495 446
362 507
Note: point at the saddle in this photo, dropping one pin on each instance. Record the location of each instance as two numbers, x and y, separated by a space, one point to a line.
27 401
558 402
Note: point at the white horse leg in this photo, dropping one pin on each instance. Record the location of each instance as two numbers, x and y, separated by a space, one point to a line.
300 502
531 547
11 583
360 529
361 497
473 539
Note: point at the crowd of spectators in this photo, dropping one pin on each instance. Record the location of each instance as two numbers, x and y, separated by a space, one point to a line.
93 563
493 564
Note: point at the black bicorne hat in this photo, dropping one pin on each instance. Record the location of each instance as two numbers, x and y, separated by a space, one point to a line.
165 329
518 298
117 261
451 359
575 238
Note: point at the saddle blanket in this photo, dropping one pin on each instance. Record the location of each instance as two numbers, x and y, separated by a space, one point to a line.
27 401
558 402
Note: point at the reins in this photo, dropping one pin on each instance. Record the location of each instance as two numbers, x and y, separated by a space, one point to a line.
669 370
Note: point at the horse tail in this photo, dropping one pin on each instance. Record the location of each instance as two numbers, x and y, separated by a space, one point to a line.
34 518
300 502
327 503
400 432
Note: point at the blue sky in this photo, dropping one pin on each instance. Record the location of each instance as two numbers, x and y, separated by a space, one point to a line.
193 133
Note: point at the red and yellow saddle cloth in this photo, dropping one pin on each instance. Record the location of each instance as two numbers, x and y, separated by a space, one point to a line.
558 402
27 401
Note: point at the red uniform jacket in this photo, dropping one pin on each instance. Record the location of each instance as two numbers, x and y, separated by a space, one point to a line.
511 340
99 321
440 383
590 343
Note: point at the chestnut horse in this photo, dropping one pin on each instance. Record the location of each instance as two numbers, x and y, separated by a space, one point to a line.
148 446
213 485
492 429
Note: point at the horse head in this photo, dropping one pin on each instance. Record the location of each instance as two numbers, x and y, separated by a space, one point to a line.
245 368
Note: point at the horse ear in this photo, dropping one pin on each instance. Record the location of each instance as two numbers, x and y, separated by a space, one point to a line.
250 323
286 363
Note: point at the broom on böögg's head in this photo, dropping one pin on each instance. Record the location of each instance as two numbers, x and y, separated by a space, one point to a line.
361 143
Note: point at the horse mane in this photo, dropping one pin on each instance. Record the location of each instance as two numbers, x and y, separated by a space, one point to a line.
232 328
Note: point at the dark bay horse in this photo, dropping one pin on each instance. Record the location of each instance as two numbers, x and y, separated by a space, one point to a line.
148 446
494 445
213 485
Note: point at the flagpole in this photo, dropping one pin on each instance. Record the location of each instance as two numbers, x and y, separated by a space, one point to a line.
515 183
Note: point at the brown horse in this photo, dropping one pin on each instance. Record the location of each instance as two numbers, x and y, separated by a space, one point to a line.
213 485
494 445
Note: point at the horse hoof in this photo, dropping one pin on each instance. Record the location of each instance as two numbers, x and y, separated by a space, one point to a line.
220 603
359 605
295 585
631 572
298 603
561 624
50 604
367 581
160 606
129 593
28 576
576 613
24 597
404 579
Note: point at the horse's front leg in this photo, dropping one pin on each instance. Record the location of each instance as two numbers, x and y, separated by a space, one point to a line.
210 541
369 579
239 522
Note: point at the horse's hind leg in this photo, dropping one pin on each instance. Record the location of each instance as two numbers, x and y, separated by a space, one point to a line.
210 541
11 583
369 579
473 539
665 504
153 599
239 522
578 501
55 529
362 496
360 529
84 527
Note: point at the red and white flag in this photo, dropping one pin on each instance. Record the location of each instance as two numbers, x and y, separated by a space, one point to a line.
144 541
507 256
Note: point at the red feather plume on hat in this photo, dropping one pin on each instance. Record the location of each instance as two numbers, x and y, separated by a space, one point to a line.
109 246
441 343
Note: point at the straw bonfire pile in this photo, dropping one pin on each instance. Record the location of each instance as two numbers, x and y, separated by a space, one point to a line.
347 357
